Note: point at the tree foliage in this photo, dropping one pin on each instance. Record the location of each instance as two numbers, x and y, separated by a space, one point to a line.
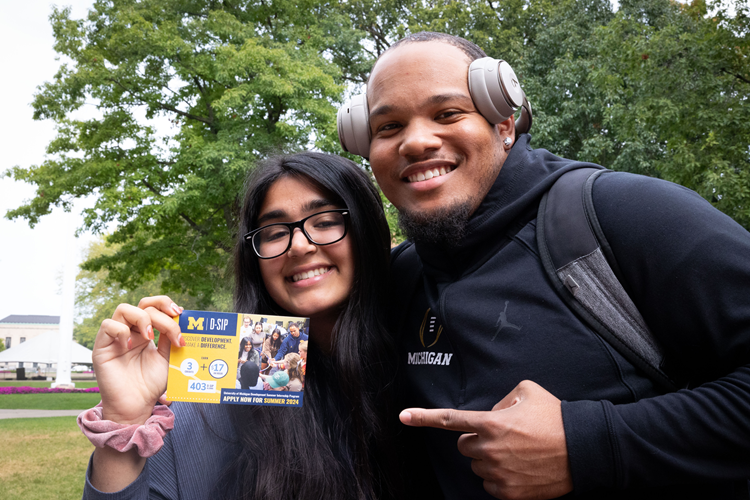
237 80
676 89
658 88
97 296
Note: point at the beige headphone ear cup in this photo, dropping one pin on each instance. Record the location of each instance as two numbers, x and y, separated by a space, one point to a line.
495 89
353 126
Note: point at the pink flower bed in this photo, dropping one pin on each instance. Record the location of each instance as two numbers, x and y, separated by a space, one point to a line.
41 390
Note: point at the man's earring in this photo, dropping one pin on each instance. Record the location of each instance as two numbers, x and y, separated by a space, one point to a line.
507 142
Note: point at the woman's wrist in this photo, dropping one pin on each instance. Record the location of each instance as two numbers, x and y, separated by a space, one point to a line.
133 416
126 420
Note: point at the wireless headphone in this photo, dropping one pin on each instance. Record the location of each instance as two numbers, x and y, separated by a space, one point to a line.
493 86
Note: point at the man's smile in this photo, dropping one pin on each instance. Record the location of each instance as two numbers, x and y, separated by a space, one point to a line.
429 174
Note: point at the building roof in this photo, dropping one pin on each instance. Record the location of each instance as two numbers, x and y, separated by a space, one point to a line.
34 319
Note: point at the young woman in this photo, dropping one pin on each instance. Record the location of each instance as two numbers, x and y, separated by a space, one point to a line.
314 243
247 353
257 337
291 362
246 328
271 346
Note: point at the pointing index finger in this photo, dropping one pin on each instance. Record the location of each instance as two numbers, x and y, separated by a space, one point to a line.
444 418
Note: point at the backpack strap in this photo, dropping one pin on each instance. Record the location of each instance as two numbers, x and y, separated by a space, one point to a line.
584 272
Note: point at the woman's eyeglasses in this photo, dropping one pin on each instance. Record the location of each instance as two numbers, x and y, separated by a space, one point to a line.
322 228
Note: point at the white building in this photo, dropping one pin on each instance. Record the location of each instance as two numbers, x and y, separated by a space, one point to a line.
17 329
43 351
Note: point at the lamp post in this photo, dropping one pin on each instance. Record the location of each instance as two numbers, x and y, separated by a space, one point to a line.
62 378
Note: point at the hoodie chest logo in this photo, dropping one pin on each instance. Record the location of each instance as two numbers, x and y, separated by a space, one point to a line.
502 322
429 334
429 322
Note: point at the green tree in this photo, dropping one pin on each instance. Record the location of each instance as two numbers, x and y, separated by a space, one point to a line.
677 89
658 88
2 345
97 296
237 80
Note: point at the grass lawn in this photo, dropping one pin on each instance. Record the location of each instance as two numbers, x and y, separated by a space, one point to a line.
54 401
42 458
80 384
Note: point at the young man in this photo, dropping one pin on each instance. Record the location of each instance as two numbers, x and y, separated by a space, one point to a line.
515 380
291 343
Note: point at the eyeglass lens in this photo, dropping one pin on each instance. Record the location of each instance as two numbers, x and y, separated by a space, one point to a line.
322 229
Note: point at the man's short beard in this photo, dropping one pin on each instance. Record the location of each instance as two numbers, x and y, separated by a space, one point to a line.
446 225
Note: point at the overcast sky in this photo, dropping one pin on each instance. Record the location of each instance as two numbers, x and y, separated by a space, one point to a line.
31 260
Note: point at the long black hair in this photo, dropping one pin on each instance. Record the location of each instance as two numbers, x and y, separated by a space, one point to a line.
275 342
337 445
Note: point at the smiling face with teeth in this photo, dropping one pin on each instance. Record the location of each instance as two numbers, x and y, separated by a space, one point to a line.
431 149
308 280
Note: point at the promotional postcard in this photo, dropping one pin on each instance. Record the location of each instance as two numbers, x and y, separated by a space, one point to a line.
231 358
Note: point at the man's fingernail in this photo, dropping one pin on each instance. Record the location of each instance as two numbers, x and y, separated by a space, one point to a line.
181 341
150 332
130 343
405 417
176 309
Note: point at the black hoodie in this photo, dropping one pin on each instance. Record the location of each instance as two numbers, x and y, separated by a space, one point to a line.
486 318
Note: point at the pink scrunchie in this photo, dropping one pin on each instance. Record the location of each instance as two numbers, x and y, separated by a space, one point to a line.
147 438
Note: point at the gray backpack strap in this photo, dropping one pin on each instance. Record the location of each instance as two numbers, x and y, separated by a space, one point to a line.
580 264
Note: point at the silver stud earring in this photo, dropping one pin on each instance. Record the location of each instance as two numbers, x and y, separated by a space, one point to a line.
507 141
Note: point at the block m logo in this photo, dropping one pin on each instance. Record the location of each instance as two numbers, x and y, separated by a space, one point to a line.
195 324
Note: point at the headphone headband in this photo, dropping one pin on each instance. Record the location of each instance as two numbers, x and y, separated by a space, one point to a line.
493 86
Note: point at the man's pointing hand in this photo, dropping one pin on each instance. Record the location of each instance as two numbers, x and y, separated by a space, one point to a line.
518 448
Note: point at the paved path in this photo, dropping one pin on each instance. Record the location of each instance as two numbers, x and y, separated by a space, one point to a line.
38 413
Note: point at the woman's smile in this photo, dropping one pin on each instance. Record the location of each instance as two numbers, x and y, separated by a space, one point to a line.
308 275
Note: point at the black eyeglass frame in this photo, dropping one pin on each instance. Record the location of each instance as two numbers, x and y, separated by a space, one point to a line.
301 225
